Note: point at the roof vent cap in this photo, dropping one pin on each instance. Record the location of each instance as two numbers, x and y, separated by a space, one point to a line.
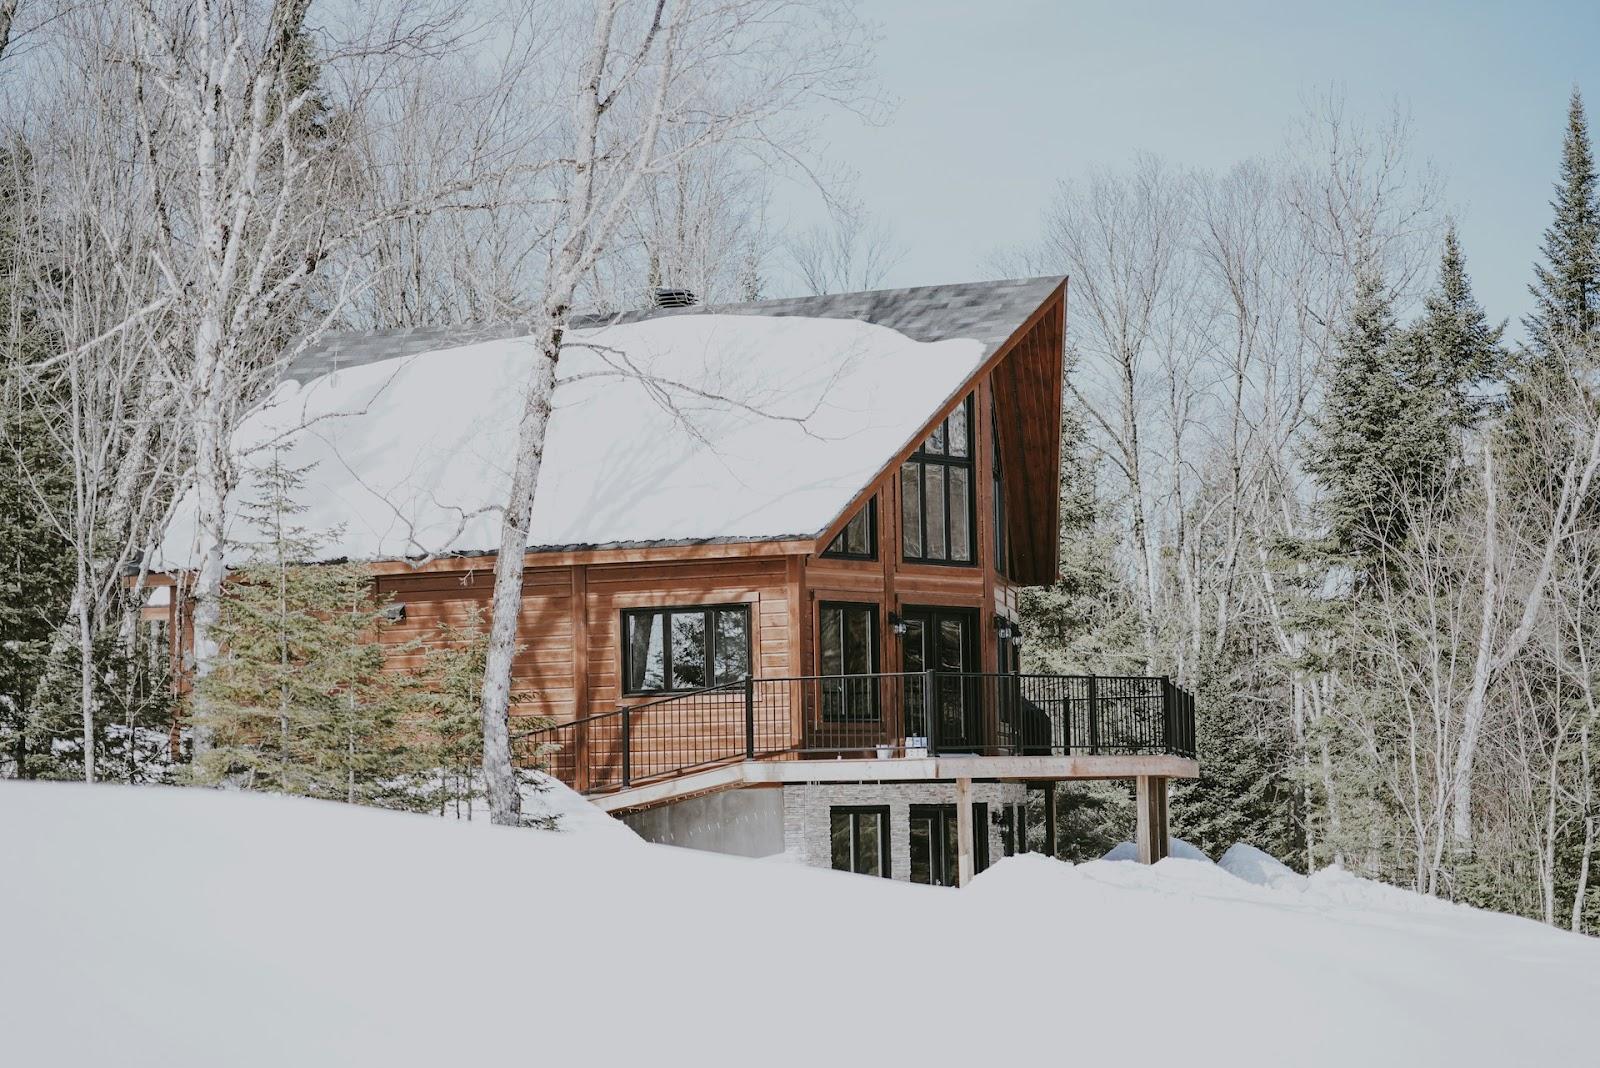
674 298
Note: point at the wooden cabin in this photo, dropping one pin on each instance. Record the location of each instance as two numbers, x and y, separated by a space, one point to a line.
828 664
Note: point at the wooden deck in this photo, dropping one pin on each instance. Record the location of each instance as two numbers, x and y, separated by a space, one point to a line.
746 773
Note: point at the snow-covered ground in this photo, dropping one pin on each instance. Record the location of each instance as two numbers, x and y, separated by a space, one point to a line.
189 927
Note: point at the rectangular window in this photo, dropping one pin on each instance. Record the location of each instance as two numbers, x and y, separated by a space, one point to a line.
860 840
936 499
671 650
934 843
1013 829
859 538
848 647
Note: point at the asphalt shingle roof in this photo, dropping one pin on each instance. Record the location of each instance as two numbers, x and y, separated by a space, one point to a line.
988 312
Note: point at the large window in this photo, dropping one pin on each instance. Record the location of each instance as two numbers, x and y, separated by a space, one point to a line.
666 650
860 840
934 851
848 646
859 538
936 499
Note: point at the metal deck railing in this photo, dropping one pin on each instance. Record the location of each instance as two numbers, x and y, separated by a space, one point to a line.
884 714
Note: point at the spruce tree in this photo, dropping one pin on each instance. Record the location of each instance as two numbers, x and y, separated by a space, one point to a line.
1566 288
1356 450
36 562
1243 793
453 683
300 701
1456 354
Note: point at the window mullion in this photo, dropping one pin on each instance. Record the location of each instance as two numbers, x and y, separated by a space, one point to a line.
669 678
945 471
707 657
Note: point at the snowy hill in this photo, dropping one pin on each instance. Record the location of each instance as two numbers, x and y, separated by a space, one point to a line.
173 927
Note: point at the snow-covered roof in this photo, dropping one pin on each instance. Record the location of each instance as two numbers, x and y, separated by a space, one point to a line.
746 422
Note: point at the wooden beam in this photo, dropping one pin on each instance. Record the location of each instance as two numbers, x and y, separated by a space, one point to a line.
740 773
1150 799
579 607
964 852
1049 819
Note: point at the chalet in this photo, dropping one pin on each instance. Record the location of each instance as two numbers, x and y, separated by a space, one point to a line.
772 603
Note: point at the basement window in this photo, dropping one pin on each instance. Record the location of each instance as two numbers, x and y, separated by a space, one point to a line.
859 838
676 650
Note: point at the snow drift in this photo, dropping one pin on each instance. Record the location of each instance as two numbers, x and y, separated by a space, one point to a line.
190 927
779 422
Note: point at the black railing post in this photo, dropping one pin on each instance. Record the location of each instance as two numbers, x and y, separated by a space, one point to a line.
750 719
1094 716
1167 704
627 747
930 721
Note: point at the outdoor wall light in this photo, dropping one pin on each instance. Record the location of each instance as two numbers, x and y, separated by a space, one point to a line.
1003 626
897 623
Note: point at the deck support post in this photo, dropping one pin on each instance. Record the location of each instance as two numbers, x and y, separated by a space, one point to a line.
1150 801
964 852
1049 820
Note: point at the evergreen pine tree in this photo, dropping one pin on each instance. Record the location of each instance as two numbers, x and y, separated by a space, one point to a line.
453 683
1354 458
1455 354
36 563
1566 287
300 701
1243 793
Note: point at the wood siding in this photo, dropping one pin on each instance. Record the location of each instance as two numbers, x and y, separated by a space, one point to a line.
570 631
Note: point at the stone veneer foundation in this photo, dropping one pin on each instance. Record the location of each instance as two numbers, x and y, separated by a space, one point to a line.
806 817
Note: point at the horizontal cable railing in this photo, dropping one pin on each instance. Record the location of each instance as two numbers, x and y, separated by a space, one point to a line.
884 714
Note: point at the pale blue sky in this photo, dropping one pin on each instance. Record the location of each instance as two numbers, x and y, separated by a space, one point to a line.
999 98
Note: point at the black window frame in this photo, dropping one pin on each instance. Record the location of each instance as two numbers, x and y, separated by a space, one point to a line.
709 611
853 813
925 457
870 689
943 861
870 512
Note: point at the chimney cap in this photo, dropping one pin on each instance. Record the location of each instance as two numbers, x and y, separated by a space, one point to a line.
667 297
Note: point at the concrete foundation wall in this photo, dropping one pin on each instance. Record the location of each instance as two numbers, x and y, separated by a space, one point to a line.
744 823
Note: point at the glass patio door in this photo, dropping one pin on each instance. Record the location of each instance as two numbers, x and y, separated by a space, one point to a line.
934 850
943 640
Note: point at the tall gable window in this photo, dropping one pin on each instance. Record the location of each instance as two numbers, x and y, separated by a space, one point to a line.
859 538
936 499
669 650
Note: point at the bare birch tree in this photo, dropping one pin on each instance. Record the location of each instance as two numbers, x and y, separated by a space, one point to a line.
715 71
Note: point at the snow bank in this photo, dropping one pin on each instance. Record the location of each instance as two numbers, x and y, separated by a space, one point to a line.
1177 848
1260 868
192 927
413 455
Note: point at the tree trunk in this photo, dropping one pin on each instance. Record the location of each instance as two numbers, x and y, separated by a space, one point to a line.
86 670
500 777
211 494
